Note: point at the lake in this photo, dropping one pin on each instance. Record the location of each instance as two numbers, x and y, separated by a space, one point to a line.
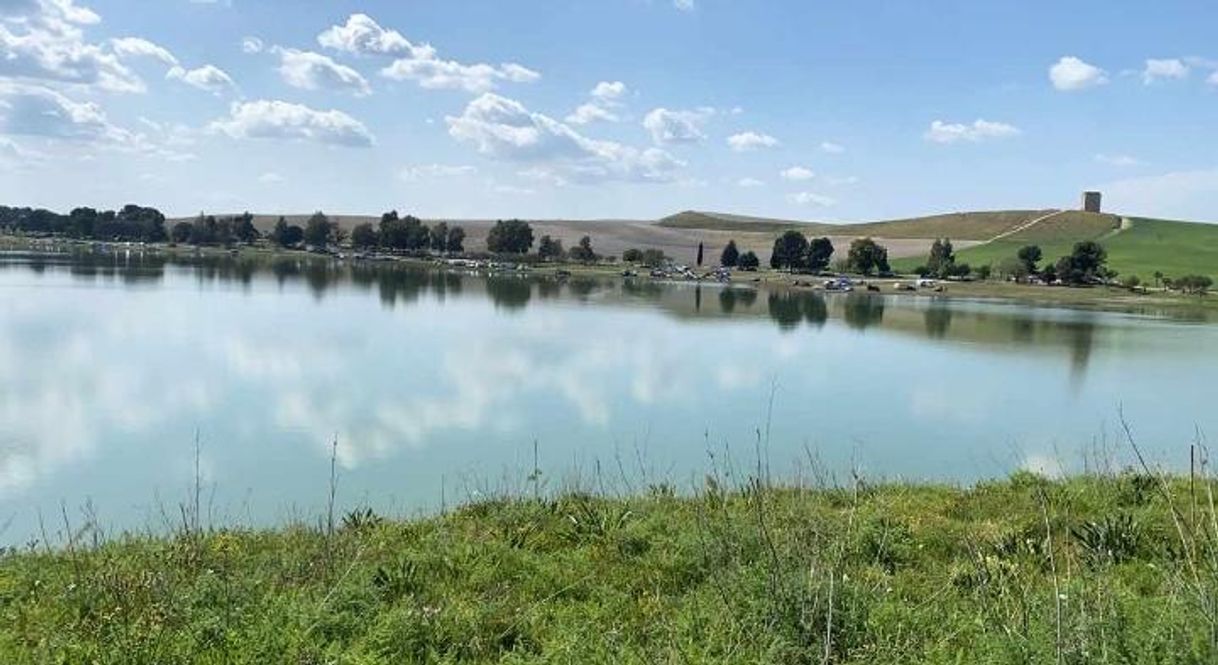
439 387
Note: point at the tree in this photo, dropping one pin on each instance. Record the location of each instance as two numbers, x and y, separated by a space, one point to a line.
653 258
632 255
729 258
942 260
1013 267
749 261
455 243
790 251
438 237
700 248
820 252
511 236
866 256
549 249
318 231
1193 284
583 251
1029 256
243 228
279 234
1158 278
1132 282
181 232
985 271
1085 264
363 236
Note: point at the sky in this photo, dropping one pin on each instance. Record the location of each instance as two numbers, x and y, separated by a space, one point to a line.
816 110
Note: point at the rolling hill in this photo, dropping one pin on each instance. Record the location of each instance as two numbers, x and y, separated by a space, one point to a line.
1135 245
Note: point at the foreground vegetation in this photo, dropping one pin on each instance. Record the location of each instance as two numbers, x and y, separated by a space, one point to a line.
1095 569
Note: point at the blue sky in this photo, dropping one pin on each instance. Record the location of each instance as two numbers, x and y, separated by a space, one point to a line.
623 109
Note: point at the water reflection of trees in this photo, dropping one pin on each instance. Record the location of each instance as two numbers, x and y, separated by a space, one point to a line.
938 318
790 308
863 311
509 292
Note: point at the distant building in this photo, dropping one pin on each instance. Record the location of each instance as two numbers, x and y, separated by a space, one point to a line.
1092 201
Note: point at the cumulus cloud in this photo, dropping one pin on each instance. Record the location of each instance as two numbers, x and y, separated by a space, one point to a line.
271 178
420 63
609 92
38 111
589 113
670 127
832 148
1171 68
797 173
364 36
43 41
684 5
749 182
605 98
746 141
209 78
1070 74
274 119
252 45
812 199
504 129
138 47
413 173
979 130
435 74
314 71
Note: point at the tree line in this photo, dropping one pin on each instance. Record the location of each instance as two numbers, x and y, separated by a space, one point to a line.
131 223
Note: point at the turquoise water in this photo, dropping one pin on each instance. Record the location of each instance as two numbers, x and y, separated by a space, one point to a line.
436 386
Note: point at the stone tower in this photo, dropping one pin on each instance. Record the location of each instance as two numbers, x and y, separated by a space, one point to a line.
1092 201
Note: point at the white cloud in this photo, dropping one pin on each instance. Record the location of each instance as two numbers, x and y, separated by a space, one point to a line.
749 183
419 63
605 98
588 113
314 71
38 111
43 41
980 130
797 173
362 35
127 47
832 148
1070 74
273 119
1171 68
209 78
684 5
609 92
413 173
1117 160
435 74
809 198
504 129
670 127
1213 79
271 178
252 45
746 141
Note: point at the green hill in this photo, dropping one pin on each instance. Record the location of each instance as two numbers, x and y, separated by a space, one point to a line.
1135 246
959 225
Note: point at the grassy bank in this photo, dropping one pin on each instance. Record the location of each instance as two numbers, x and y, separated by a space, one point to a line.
1093 569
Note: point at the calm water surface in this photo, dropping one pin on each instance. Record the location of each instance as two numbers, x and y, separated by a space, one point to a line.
437 384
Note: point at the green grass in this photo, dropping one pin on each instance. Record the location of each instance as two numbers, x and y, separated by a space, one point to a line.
1088 570
1146 245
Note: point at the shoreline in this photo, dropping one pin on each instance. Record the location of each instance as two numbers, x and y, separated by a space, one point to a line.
1102 298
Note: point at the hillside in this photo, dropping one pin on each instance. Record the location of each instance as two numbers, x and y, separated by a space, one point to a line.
975 226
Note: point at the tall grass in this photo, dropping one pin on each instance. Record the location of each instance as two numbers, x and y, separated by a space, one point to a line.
1099 568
